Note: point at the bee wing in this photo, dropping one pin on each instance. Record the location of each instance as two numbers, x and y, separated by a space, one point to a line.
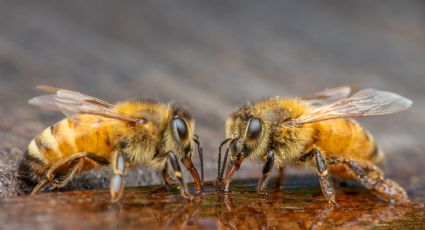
64 93
368 102
328 96
73 103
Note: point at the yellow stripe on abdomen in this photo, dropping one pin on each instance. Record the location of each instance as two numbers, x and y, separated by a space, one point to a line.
34 151
345 138
45 147
92 138
63 133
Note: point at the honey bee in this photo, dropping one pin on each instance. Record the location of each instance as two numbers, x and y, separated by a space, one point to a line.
124 135
314 131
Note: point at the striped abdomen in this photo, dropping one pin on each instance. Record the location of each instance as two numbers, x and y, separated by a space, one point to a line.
346 138
61 141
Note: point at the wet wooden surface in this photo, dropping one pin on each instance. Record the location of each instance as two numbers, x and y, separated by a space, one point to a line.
210 56
296 206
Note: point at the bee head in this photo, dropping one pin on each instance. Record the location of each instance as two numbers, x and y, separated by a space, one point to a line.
249 134
247 137
181 139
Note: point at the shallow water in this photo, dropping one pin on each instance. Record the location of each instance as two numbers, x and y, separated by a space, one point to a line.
295 206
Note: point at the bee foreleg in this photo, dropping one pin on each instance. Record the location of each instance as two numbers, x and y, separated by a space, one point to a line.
187 162
116 186
168 180
372 178
325 180
178 174
262 183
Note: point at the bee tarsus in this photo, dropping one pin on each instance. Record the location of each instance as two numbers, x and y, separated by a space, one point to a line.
372 178
175 165
268 166
326 183
168 180
187 162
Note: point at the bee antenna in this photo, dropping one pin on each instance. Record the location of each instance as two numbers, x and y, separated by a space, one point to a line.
219 178
201 155
226 155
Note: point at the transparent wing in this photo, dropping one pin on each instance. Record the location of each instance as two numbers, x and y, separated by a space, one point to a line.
368 102
73 95
328 96
73 103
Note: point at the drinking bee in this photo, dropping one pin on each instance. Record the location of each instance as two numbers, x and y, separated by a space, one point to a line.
314 131
124 135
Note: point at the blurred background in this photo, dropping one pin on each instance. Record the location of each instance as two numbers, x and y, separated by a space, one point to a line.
211 56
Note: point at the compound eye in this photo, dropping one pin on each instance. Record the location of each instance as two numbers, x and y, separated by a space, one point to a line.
180 127
254 128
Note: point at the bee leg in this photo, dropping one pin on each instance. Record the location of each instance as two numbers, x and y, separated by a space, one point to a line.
372 178
280 177
168 180
187 162
325 180
61 181
262 183
99 160
116 187
40 186
62 172
178 174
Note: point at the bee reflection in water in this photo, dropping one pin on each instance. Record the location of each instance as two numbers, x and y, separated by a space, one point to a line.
281 212
299 208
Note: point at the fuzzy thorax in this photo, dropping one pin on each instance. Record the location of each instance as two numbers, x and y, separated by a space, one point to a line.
147 144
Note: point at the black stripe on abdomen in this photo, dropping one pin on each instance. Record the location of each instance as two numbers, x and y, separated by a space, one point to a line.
31 171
